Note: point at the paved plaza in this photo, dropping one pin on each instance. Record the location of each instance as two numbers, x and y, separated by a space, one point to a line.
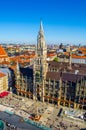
24 107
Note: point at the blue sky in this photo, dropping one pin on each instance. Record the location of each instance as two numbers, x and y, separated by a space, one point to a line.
63 20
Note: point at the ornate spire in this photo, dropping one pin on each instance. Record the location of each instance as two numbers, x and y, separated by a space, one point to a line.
41 45
41 26
70 59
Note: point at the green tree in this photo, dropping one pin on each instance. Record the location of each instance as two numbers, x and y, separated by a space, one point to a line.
13 62
56 59
37 76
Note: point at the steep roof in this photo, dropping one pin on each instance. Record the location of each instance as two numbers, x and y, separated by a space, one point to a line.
53 76
64 66
2 51
2 75
65 76
72 77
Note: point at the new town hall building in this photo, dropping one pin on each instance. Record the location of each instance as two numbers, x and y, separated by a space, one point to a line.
51 81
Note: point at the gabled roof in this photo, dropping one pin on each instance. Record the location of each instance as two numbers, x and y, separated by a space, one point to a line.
2 75
2 51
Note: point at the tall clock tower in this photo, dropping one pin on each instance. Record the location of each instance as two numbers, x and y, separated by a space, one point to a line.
40 65
41 45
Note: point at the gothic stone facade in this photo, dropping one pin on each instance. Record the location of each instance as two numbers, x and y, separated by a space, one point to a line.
53 82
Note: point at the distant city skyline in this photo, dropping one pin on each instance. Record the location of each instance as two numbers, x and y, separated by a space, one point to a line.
63 20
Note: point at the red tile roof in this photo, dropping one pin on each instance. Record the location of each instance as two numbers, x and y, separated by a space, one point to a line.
82 49
51 54
22 58
78 57
2 75
2 51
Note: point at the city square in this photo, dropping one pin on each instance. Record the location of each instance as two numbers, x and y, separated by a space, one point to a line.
49 113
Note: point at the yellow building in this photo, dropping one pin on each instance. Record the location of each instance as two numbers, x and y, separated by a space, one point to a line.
3 82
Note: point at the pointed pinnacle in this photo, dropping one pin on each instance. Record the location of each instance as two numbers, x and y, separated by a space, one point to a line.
41 26
17 65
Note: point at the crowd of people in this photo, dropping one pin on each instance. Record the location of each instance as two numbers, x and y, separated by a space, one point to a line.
53 121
